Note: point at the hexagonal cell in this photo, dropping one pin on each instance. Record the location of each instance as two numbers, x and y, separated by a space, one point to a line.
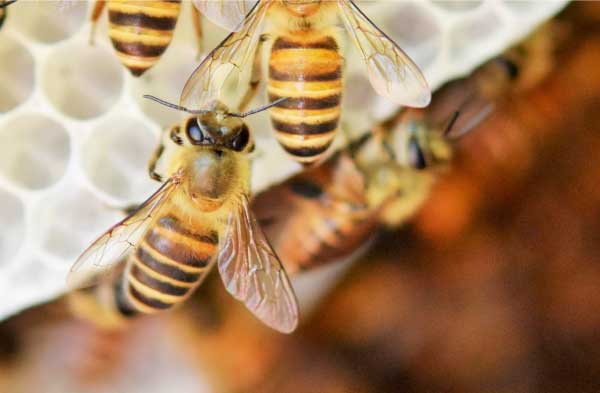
416 31
48 21
478 30
16 73
82 81
166 80
34 151
12 212
115 158
69 220
457 5
34 277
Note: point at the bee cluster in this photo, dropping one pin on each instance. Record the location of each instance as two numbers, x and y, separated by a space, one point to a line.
77 136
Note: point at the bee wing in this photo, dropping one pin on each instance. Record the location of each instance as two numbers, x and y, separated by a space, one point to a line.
112 248
227 60
228 14
253 274
391 72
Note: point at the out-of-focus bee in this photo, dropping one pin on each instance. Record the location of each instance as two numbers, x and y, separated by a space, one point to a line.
329 212
305 64
141 30
157 256
3 10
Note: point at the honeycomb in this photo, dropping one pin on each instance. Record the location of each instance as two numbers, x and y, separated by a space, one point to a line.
75 133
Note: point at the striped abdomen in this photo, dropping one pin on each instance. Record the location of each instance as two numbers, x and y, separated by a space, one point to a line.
168 264
324 230
141 31
307 70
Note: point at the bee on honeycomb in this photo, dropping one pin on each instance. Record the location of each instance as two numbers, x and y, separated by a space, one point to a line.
76 134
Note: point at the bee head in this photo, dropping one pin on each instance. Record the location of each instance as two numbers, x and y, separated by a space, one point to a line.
217 126
416 145
229 133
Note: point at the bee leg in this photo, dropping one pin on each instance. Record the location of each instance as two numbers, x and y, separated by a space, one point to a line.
153 161
197 21
256 75
98 8
126 209
173 134
379 133
255 154
130 209
7 3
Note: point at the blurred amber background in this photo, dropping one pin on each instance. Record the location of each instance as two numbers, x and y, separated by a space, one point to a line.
493 287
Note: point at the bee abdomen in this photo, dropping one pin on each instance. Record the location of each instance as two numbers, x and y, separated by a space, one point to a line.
168 265
308 71
327 232
141 32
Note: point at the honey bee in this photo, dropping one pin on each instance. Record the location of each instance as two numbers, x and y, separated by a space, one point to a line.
329 212
3 7
305 64
199 217
141 30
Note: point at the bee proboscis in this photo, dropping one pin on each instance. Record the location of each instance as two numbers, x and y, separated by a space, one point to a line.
305 64
199 217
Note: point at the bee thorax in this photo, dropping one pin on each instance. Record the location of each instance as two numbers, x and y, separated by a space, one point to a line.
210 178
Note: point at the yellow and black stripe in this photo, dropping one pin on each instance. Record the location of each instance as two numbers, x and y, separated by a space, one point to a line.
141 31
167 265
307 69
329 230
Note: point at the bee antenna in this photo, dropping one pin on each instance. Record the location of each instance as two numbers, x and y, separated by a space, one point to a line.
469 105
177 107
451 123
259 109
7 3
474 121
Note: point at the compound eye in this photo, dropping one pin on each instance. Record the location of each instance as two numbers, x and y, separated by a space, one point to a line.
194 132
240 141
416 157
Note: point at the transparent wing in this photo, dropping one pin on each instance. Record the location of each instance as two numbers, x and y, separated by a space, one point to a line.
228 14
112 248
226 62
391 72
253 274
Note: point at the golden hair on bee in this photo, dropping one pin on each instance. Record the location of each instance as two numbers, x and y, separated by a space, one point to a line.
199 217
